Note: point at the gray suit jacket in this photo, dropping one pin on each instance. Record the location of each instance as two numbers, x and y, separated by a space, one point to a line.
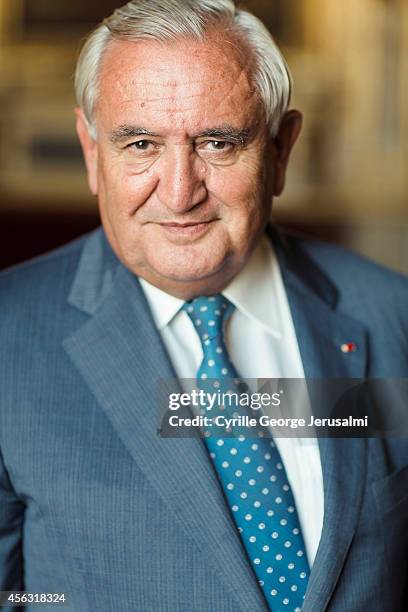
94 504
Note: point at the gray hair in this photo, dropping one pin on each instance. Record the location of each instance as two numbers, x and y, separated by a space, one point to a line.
173 19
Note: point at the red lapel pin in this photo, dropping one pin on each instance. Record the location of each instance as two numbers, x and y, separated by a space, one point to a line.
348 347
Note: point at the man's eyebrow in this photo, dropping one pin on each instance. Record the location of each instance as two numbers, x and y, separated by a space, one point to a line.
124 132
242 136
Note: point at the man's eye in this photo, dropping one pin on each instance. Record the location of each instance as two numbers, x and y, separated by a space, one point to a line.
220 145
217 148
147 147
141 145
218 151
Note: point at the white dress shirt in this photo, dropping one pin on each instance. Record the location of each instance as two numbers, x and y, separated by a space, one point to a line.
262 343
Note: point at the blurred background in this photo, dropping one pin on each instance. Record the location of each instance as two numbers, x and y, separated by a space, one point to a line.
348 181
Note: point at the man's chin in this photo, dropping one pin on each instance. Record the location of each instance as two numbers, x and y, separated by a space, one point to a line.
189 265
186 282
188 276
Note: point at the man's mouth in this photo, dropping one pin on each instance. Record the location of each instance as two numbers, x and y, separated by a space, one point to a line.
189 224
186 231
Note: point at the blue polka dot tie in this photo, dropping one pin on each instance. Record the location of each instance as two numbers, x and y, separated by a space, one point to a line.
251 473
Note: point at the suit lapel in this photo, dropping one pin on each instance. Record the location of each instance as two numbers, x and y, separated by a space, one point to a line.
321 330
344 469
120 356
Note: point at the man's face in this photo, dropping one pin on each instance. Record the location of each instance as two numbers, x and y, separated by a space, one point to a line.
181 161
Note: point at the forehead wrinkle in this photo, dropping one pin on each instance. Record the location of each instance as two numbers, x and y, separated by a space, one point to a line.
199 86
186 104
251 97
232 68
241 81
176 102
166 98
229 71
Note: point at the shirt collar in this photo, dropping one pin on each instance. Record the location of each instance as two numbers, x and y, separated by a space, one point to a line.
257 292
163 305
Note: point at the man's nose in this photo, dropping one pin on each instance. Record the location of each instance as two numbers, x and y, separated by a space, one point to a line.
182 179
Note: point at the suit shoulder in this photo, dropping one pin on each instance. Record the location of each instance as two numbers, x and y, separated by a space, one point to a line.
346 267
364 290
37 263
41 279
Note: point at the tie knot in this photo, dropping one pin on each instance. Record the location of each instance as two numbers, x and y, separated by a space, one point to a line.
208 315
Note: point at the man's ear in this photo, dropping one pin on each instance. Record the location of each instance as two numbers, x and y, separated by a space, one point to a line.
289 130
89 148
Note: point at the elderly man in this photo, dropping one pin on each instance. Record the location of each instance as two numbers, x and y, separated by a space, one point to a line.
184 123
